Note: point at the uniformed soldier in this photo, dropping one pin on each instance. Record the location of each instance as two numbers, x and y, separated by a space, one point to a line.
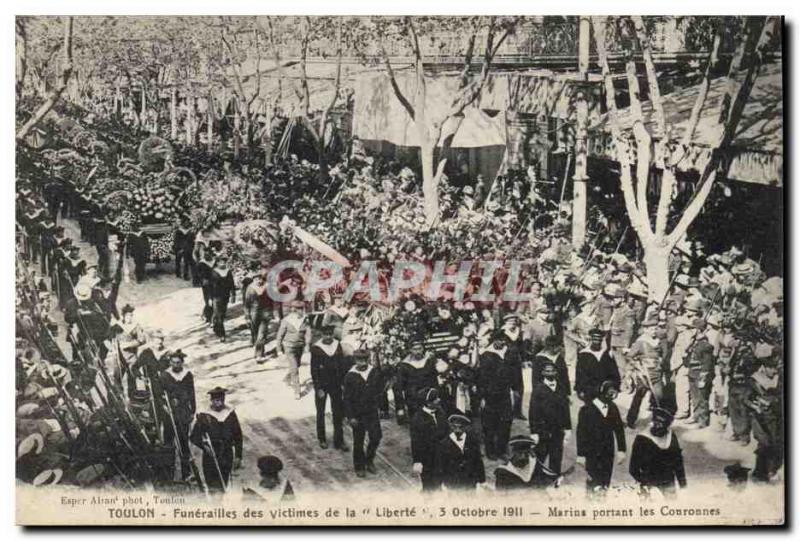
700 362
139 250
549 418
494 380
646 368
217 432
258 312
414 373
177 383
363 385
292 341
101 231
204 267
524 470
595 365
742 366
458 456
428 427
765 401
328 369
600 437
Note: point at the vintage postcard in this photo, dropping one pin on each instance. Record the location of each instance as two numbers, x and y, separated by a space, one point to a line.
450 270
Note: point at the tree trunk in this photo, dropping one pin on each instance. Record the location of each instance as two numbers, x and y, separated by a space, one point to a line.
173 115
430 184
210 123
656 260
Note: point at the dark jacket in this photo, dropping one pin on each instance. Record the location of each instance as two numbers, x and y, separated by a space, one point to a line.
328 371
591 372
495 377
562 373
361 397
457 470
599 436
548 413
221 286
656 467
181 395
425 434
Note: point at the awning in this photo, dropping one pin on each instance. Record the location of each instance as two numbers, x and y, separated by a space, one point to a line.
757 146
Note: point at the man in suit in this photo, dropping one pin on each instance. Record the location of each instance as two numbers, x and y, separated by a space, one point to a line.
428 427
600 437
363 386
328 369
549 418
458 456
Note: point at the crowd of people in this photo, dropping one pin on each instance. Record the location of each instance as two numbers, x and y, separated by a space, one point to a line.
94 386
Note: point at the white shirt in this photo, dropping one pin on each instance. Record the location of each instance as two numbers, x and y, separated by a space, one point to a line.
459 442
602 406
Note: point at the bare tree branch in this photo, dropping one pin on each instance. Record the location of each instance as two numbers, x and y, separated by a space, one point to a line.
66 71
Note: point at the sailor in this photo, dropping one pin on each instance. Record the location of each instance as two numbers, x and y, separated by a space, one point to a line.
656 456
222 291
217 432
328 369
270 488
515 359
595 365
600 437
549 418
414 373
523 470
363 386
177 383
458 461
428 427
495 379
551 353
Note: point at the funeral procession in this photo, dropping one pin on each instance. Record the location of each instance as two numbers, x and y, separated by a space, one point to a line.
260 258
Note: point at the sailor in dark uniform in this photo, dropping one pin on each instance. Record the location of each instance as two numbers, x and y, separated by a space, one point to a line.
600 437
218 433
656 456
495 379
139 250
414 373
222 290
551 353
459 465
515 359
270 488
363 386
177 383
328 369
523 470
595 366
184 246
549 418
204 268
428 427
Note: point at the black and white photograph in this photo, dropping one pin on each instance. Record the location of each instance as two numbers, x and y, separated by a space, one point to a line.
303 270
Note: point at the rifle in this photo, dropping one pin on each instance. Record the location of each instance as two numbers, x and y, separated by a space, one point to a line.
207 441
192 463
